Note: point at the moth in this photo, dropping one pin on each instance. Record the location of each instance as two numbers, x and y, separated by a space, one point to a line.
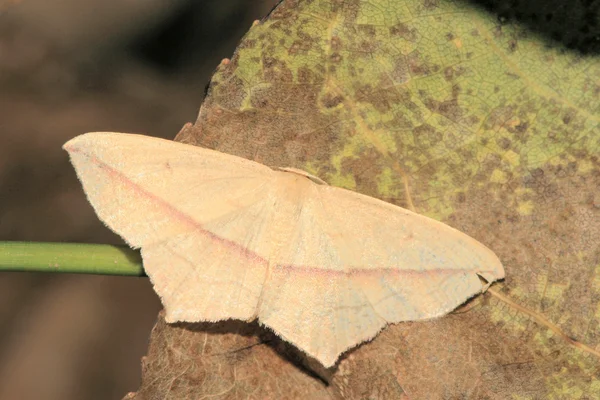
223 237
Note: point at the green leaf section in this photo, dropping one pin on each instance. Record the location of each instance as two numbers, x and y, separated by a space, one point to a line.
427 84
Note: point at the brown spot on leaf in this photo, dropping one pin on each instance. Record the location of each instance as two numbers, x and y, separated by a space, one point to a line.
236 97
430 4
400 73
497 31
417 65
452 72
368 47
348 8
404 32
537 173
503 143
247 44
299 47
307 76
520 128
382 99
401 121
276 70
498 117
426 136
336 43
335 58
330 100
448 108
568 116
449 73
472 120
365 169
366 29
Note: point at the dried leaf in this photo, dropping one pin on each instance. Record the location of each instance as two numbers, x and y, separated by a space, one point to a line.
478 124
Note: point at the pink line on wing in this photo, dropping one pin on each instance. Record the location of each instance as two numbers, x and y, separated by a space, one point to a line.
360 271
252 256
249 254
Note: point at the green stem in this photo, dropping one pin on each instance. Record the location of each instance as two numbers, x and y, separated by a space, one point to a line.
74 258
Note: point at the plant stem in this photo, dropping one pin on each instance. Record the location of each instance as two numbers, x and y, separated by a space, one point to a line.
74 258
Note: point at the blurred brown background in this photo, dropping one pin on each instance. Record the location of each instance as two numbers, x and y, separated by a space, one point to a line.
69 67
